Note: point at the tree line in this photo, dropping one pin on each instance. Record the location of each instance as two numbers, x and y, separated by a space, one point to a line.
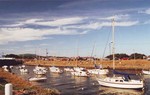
126 57
117 56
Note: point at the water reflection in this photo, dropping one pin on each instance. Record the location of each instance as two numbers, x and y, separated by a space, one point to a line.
116 91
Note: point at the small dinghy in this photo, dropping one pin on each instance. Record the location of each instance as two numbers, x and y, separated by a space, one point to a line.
38 79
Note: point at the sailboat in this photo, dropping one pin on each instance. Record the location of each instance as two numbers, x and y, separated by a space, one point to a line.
23 69
40 70
80 72
98 68
54 69
119 82
146 72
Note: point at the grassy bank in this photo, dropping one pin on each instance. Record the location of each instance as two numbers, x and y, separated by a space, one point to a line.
22 86
119 64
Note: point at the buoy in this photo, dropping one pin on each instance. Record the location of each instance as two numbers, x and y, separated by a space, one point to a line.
82 88
8 89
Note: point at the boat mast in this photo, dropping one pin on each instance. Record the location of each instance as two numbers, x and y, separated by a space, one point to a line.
77 56
113 40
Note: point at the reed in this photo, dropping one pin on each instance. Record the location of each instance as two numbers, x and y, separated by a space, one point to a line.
119 64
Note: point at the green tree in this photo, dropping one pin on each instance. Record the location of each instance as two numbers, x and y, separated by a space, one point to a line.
118 56
12 56
137 56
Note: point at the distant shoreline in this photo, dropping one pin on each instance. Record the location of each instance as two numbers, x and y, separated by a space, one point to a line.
119 64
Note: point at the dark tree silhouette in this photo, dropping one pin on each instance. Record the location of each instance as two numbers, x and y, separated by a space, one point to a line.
118 56
137 56
12 56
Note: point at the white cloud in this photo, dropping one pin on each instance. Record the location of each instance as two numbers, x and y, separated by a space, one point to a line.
128 23
117 17
26 34
32 21
99 25
66 26
55 22
147 11
60 22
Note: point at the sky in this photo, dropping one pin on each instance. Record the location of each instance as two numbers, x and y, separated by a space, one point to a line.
74 27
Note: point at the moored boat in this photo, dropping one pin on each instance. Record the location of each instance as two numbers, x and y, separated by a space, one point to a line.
80 72
40 70
38 79
121 82
23 69
54 69
147 72
116 81
98 71
68 69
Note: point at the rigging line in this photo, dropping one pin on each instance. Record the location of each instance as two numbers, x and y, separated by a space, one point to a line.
106 44
93 50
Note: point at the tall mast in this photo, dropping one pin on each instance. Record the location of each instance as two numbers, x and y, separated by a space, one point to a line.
113 40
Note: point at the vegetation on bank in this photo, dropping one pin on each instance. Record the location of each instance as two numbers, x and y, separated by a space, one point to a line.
22 86
127 57
117 56
119 64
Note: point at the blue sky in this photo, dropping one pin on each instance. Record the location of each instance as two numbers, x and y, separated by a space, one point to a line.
74 27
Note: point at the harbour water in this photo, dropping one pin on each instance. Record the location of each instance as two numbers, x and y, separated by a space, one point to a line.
71 85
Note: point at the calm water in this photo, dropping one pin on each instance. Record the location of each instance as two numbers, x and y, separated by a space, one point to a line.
70 85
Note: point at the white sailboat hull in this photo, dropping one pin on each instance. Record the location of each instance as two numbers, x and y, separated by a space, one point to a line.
78 69
79 73
24 70
55 70
68 69
40 70
146 72
98 71
117 83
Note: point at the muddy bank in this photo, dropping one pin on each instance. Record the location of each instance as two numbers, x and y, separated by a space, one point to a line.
21 86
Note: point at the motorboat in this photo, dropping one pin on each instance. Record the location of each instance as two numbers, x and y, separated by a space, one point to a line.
5 68
80 72
23 69
40 70
68 69
54 69
98 70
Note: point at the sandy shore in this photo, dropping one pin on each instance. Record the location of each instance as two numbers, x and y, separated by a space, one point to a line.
119 64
